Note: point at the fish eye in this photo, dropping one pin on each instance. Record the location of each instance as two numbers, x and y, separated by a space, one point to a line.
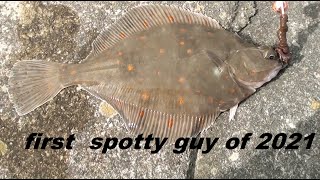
270 54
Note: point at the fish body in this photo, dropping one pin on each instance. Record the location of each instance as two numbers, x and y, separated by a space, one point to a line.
167 71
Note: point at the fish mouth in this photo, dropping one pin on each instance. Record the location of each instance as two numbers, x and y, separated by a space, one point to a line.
273 73
257 84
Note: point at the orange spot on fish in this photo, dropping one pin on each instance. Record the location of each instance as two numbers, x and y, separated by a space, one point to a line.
171 19
189 51
145 96
252 72
122 35
189 20
141 114
142 38
210 34
206 23
145 24
161 51
182 30
117 103
181 43
182 80
226 77
210 100
73 72
232 91
120 53
130 67
180 100
170 123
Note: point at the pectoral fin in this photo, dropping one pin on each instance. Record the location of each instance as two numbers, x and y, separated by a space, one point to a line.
232 112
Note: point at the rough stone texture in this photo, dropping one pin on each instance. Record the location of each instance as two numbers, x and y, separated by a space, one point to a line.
283 105
118 163
64 31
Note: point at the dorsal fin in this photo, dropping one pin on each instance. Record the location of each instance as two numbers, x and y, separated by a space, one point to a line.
144 17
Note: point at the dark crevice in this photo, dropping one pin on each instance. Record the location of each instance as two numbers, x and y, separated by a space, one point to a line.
235 14
194 152
192 161
255 13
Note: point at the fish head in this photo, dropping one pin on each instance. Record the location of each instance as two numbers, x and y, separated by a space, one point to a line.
254 66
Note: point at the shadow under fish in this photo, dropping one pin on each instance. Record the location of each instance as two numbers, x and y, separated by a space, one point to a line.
167 71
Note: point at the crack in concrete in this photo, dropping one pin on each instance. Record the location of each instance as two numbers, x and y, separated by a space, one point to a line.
192 164
193 160
235 14
255 13
194 153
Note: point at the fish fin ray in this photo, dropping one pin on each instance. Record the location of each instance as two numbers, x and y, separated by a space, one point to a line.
144 17
33 83
215 59
232 112
139 119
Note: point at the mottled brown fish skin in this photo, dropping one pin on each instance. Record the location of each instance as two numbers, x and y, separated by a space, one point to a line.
168 72
154 70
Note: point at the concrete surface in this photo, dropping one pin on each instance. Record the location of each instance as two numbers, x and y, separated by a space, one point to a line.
63 32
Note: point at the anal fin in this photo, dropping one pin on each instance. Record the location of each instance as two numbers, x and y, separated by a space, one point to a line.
146 120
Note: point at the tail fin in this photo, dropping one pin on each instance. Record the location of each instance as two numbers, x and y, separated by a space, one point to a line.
33 83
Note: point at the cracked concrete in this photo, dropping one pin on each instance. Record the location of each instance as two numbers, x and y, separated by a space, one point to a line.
244 12
64 31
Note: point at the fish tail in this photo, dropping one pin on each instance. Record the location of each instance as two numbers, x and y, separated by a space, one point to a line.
33 83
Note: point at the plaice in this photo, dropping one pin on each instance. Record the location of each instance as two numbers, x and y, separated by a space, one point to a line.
167 71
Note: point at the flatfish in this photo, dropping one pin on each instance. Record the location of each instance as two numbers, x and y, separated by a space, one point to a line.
167 71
